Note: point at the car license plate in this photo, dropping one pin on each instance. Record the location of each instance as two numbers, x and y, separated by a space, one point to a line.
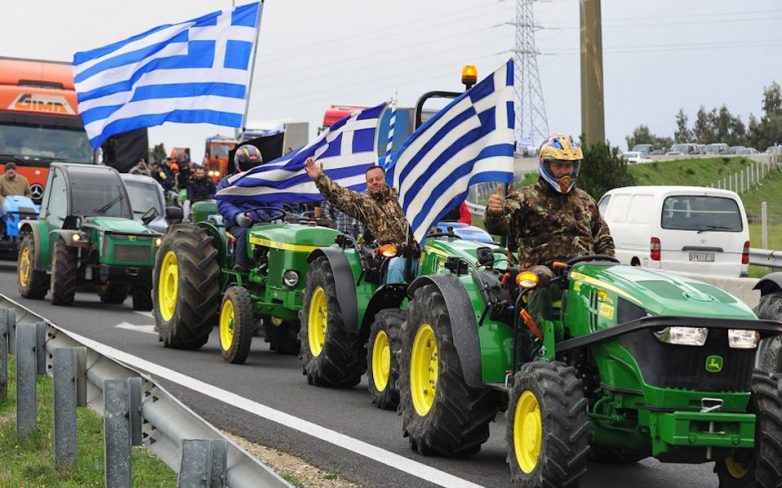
702 257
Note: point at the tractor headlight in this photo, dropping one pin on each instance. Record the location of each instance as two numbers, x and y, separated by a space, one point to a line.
527 279
387 251
290 278
158 241
683 336
743 339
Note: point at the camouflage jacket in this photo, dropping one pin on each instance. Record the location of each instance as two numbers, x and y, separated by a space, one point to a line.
380 213
550 226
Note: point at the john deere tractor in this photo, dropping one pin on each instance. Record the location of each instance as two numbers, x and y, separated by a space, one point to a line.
86 235
597 359
196 286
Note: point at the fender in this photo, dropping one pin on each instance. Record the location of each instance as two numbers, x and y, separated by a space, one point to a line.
770 283
344 281
40 241
464 326
387 296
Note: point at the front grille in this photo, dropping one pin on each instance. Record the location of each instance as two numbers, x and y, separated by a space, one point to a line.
135 254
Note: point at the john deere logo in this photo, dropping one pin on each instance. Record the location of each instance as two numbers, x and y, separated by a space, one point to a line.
714 364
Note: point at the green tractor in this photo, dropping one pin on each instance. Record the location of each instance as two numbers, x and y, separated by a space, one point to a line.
353 321
596 359
194 269
86 235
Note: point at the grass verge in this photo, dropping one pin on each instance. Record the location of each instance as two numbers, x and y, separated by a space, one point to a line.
31 463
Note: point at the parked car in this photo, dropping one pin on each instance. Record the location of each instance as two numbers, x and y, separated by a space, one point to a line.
679 228
646 149
717 148
635 157
683 148
146 193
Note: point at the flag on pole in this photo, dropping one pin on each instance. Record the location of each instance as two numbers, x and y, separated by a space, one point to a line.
346 150
469 141
193 72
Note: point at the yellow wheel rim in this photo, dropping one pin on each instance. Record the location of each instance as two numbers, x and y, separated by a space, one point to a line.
317 321
168 286
737 469
25 267
424 369
381 360
527 432
227 321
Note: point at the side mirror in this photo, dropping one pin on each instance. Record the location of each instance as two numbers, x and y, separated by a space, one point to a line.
71 222
174 214
149 216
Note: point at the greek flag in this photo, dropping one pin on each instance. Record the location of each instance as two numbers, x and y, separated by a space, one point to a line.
192 72
469 141
346 150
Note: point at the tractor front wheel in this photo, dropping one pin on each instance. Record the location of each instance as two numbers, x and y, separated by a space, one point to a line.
770 350
331 351
385 343
441 414
186 287
548 429
32 283
236 325
64 274
761 465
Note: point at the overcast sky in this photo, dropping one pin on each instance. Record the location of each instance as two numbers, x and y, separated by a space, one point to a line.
659 56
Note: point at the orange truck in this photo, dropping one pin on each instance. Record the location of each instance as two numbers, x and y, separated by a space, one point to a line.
216 156
39 122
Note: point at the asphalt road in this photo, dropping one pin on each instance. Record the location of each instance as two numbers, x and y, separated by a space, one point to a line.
369 455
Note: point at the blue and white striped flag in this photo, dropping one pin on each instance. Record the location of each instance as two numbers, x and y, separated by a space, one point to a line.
346 150
192 72
469 141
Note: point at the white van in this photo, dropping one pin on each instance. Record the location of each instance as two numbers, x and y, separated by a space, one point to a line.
679 228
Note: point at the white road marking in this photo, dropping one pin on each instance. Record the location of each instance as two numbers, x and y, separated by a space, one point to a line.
145 314
414 468
147 329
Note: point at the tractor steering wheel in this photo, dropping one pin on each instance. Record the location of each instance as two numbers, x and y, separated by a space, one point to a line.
271 214
592 257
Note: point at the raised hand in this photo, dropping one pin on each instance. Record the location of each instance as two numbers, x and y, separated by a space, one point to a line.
497 201
313 169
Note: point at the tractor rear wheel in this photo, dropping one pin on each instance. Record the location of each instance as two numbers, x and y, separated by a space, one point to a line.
114 294
761 465
142 298
186 287
236 325
64 274
770 350
282 335
385 343
441 414
331 352
548 429
32 283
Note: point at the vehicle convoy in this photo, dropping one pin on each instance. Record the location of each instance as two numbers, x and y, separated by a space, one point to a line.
604 360
194 269
39 122
86 235
14 209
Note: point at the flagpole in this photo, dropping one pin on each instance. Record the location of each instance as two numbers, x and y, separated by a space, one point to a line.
252 67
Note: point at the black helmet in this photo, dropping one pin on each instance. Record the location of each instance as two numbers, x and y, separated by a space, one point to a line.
247 157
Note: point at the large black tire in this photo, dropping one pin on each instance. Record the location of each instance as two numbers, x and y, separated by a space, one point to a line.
142 298
114 294
335 356
453 419
236 325
760 466
32 283
64 274
383 348
282 337
547 426
770 349
186 287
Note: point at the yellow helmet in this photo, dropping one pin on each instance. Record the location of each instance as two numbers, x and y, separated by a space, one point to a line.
559 148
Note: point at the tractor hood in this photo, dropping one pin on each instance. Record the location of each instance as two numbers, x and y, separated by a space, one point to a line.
117 224
462 248
292 237
661 294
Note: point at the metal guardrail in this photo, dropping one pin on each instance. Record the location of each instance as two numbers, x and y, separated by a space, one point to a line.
168 425
765 257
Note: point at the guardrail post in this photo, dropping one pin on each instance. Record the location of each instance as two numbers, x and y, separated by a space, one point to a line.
203 463
764 224
26 368
134 397
64 373
117 433
40 346
8 316
81 376
3 360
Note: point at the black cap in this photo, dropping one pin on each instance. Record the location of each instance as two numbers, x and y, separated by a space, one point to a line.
10 165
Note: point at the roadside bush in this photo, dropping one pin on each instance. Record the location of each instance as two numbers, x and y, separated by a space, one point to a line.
602 170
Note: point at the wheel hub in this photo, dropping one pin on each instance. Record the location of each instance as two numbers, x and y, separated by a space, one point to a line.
381 360
317 321
527 432
227 324
24 267
424 369
168 285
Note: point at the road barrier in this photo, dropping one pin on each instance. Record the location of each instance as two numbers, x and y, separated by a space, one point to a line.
135 408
